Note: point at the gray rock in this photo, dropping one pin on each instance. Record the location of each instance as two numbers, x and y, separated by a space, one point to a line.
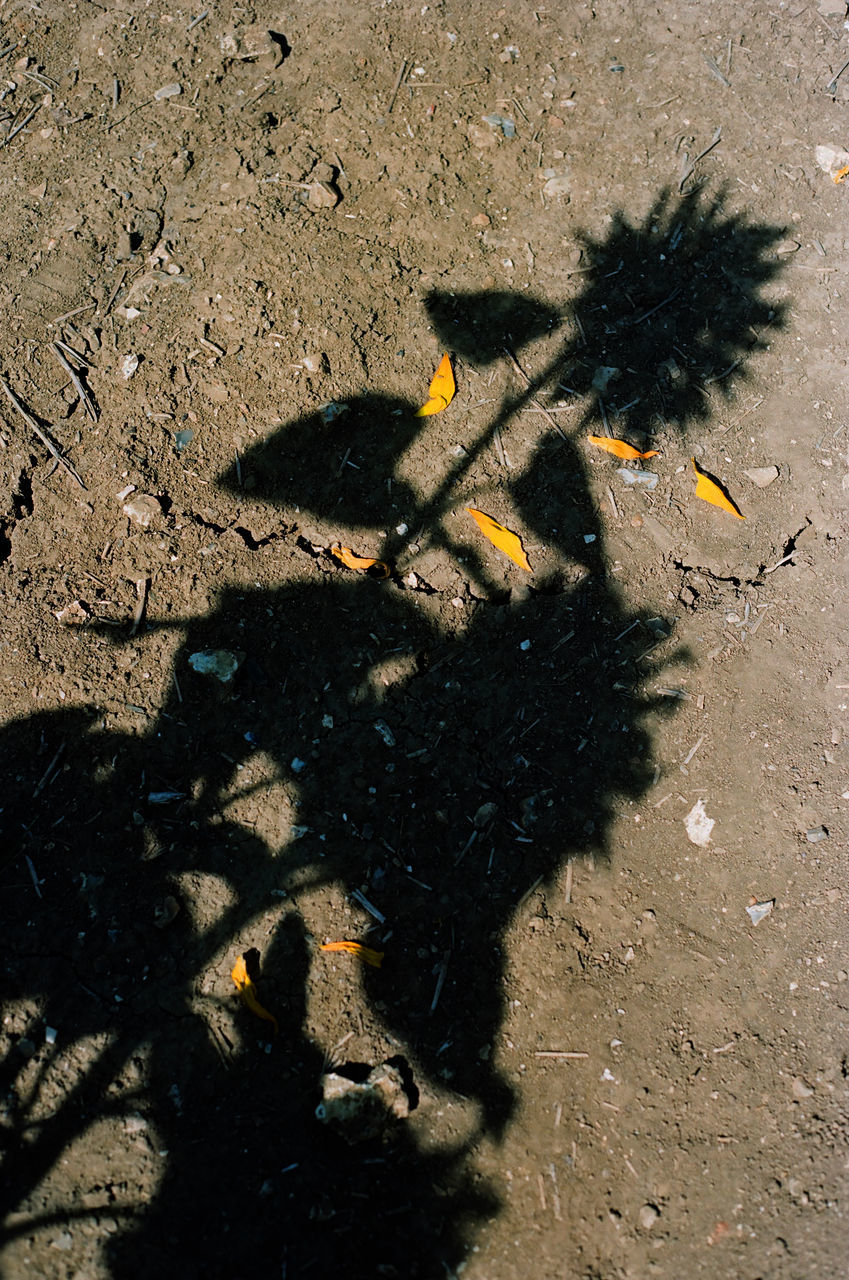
761 476
219 664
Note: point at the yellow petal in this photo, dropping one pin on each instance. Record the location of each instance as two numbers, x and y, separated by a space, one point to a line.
374 958
620 449
247 990
710 491
504 539
442 388
434 405
379 568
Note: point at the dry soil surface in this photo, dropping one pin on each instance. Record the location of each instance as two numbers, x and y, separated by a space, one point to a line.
236 243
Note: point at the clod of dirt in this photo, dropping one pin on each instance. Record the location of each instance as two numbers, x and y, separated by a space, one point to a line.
219 664
166 912
142 508
558 184
831 159
603 376
485 815
73 615
254 42
648 1216
366 1108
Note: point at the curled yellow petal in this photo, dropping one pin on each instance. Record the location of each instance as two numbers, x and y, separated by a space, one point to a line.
434 405
842 174
710 491
504 539
620 449
442 388
376 568
247 990
374 958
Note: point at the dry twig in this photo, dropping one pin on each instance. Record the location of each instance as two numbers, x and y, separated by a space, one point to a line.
79 386
45 439
520 371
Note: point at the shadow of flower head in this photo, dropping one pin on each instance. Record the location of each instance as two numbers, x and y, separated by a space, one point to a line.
477 326
673 305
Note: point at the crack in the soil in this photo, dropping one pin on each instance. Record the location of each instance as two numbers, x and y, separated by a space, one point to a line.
786 557
251 542
254 544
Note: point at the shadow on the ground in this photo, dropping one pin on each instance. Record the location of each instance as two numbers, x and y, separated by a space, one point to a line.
510 744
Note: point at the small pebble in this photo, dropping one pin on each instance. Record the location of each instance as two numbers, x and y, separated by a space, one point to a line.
485 815
166 912
385 732
761 476
801 1089
648 1216
322 196
128 366
168 91
816 834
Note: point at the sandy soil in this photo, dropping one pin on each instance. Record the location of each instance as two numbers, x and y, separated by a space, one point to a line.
247 236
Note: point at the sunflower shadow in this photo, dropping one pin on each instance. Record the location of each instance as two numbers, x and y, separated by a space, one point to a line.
502 750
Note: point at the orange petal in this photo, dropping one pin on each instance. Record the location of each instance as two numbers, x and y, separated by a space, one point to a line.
710 491
442 388
620 449
842 174
247 990
374 958
379 568
504 539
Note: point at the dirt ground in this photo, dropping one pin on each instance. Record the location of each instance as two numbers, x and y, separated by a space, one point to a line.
236 243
